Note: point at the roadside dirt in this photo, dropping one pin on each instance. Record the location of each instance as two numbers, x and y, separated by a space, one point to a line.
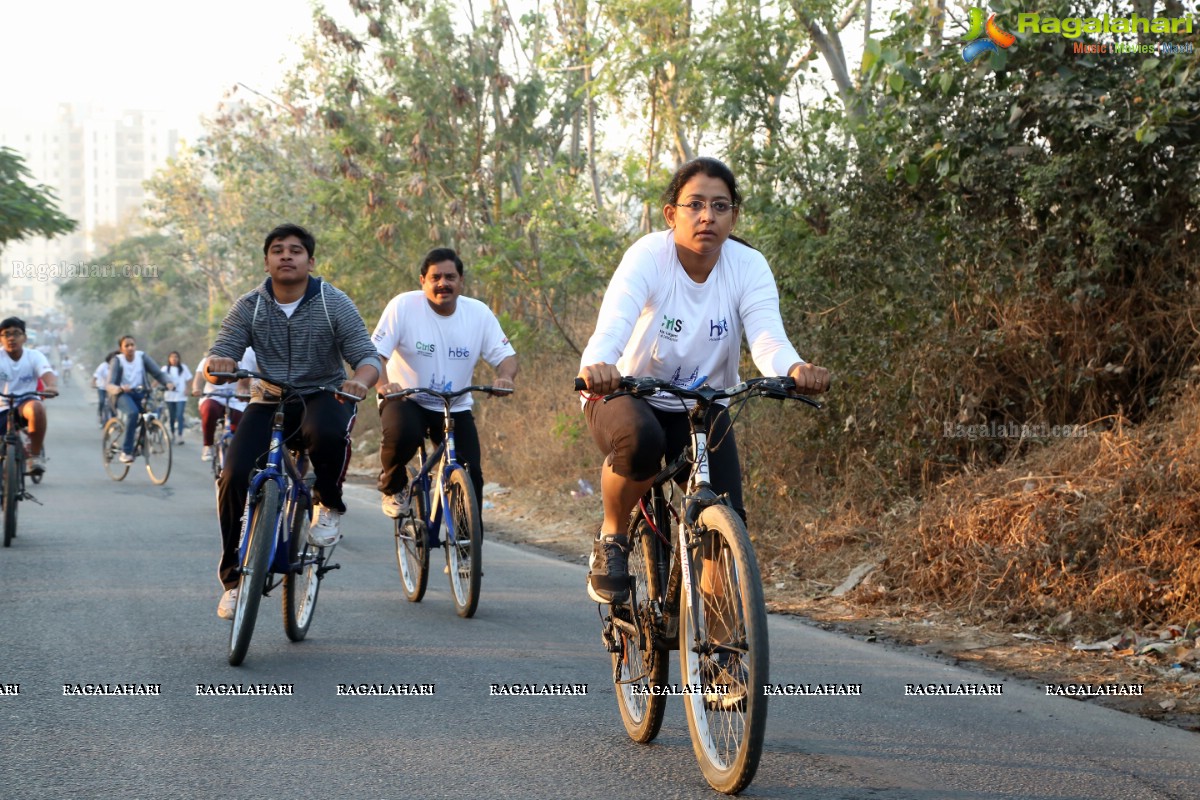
564 525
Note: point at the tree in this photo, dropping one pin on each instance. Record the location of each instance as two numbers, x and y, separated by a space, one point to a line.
25 209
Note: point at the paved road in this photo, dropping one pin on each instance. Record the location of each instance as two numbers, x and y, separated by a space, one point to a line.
115 583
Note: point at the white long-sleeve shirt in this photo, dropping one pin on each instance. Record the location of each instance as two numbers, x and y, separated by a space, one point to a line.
656 321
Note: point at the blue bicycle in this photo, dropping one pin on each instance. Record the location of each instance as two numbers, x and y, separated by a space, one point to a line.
443 512
274 540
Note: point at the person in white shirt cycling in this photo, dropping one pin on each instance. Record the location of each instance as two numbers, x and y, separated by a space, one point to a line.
176 399
100 383
129 374
676 309
217 400
432 339
20 370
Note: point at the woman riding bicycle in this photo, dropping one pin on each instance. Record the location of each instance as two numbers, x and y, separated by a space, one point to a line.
676 309
129 374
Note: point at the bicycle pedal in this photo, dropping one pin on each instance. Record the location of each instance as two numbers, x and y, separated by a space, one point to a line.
322 570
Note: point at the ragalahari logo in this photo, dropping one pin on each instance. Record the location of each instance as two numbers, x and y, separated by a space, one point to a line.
995 36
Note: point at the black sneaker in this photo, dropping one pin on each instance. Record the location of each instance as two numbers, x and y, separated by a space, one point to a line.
608 582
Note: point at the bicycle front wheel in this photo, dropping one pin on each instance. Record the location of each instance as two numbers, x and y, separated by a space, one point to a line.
638 665
300 585
110 449
157 450
254 570
412 547
464 555
12 488
729 657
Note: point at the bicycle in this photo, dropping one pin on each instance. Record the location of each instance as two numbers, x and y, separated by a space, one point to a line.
441 496
698 591
274 539
224 436
13 449
152 441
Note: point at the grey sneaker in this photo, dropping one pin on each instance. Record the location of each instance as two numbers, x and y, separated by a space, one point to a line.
37 464
608 580
396 505
326 527
126 458
228 604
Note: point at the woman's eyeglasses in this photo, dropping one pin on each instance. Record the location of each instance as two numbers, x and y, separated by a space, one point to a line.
719 207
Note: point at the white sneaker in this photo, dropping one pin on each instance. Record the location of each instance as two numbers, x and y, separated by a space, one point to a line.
326 527
206 454
228 603
396 505
37 463
126 458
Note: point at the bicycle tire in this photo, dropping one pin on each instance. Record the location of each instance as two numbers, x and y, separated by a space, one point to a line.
218 456
254 571
727 736
12 487
156 448
464 555
412 547
300 588
638 665
110 449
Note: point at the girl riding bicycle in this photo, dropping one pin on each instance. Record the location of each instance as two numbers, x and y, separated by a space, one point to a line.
676 309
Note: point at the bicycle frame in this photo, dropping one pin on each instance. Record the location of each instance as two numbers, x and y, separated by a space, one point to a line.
281 469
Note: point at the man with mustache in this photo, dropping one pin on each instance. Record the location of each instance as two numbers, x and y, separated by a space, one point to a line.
432 339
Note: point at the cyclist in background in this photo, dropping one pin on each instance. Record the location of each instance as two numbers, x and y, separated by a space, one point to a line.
432 339
676 309
21 369
129 374
176 399
302 330
100 382
217 401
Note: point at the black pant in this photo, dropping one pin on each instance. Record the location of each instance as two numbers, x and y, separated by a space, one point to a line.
406 424
321 425
635 437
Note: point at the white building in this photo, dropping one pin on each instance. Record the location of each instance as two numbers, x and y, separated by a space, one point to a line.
95 161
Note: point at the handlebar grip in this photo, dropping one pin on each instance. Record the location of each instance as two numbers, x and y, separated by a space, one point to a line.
580 385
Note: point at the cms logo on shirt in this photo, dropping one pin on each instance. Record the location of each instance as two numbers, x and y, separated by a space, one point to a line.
426 349
672 325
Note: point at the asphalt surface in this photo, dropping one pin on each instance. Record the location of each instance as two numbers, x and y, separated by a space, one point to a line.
115 583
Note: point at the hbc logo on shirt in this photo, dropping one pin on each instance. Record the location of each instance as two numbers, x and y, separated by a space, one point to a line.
459 353
717 329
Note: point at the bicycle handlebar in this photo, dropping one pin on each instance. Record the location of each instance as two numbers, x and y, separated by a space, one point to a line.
45 395
782 388
447 395
286 388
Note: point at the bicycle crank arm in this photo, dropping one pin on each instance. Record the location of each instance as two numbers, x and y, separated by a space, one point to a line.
28 496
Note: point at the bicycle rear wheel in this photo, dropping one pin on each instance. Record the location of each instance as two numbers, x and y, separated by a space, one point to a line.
727 720
412 547
300 588
254 570
12 488
157 449
110 449
638 665
464 555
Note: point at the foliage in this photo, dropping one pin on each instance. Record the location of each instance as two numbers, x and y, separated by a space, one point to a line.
26 209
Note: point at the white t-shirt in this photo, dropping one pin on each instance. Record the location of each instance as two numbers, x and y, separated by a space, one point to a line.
132 372
21 376
223 393
424 349
101 375
657 322
181 378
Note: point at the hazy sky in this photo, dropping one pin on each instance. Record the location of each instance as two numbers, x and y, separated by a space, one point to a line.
147 54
